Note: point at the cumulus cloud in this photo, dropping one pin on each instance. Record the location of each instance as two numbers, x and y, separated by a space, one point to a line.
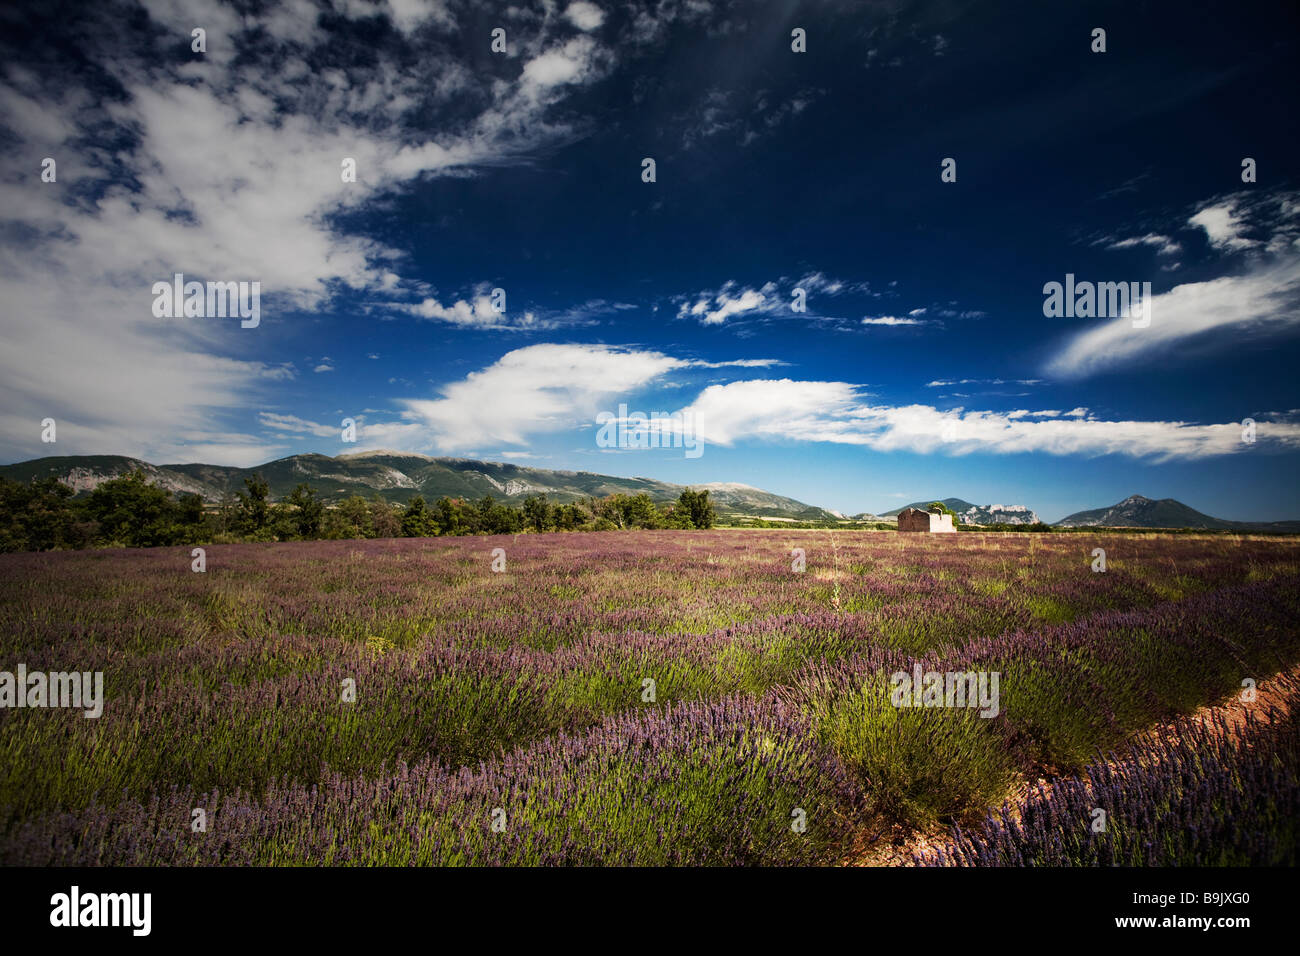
541 389
584 15
571 63
478 312
408 15
714 308
537 389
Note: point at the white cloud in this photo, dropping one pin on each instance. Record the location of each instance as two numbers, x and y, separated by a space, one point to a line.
1262 293
584 15
403 436
737 363
1222 227
299 426
228 173
651 23
551 388
893 320
818 282
572 63
407 15
1164 245
538 389
1264 297
943 383
532 390
478 312
834 412
716 306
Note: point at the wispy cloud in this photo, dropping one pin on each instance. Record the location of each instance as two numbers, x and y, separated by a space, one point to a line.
1163 245
771 299
1257 238
1265 297
544 389
834 412
893 320
943 383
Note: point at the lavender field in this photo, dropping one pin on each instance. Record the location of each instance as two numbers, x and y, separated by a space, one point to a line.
654 697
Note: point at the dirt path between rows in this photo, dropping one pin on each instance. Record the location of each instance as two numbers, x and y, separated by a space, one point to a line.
881 844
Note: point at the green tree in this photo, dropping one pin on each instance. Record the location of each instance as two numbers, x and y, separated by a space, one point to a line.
456 516
227 513
677 518
385 520
938 507
254 503
417 520
499 519
538 513
190 510
351 519
614 510
133 512
696 505
571 517
41 515
309 511
639 511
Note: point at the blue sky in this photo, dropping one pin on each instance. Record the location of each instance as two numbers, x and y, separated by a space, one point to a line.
924 365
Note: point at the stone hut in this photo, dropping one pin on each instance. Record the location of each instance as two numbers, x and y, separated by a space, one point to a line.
914 519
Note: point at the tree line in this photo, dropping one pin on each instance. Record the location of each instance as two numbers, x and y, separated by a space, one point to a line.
44 515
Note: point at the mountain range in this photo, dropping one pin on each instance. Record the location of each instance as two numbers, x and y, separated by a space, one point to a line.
398 476
1136 511
968 513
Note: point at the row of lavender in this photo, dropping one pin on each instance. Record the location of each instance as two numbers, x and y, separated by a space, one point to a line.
1209 794
726 782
